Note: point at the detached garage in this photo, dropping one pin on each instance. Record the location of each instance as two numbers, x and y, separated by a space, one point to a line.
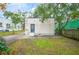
33 26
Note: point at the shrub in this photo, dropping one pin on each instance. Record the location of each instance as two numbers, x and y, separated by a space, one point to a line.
3 47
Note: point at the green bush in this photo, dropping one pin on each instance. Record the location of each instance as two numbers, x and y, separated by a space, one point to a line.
3 46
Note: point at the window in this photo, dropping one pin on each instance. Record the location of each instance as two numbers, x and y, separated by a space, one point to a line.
7 25
0 24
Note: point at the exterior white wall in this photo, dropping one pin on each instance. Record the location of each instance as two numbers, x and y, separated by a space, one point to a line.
8 21
4 22
46 28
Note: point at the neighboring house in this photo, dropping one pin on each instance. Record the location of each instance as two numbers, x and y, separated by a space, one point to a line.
7 25
34 26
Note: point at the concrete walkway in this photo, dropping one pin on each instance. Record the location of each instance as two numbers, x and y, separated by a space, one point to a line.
13 38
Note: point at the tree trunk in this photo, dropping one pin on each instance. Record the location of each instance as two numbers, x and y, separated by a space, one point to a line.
23 25
59 29
62 27
65 24
14 27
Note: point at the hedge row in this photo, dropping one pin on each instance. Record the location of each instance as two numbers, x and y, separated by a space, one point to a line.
71 33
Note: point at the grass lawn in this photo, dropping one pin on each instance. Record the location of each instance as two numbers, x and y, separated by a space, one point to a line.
47 46
10 33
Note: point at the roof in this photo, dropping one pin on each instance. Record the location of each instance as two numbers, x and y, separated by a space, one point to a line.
4 20
72 24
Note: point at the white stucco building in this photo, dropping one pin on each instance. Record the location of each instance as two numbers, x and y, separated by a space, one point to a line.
6 24
33 26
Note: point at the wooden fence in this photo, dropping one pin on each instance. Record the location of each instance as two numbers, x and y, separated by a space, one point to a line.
71 33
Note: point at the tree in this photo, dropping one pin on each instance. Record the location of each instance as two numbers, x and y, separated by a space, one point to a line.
42 12
74 10
59 12
22 16
15 17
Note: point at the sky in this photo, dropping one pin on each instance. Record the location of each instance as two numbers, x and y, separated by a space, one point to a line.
14 7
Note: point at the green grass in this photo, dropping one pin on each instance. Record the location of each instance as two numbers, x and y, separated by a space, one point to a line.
9 33
55 46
